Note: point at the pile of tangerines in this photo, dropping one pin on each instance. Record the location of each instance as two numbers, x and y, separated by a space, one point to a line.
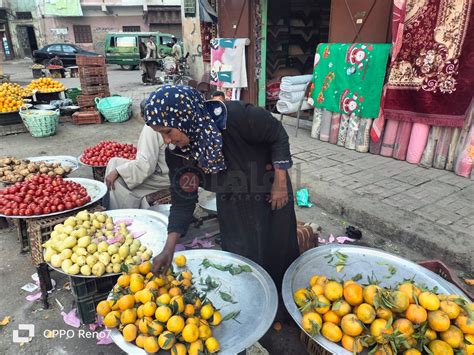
163 312
407 319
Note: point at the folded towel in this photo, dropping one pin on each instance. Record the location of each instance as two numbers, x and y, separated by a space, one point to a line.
297 79
292 88
291 96
291 107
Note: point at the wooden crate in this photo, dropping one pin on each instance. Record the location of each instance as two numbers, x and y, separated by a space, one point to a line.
96 89
13 129
82 60
87 100
35 231
92 71
93 80
89 117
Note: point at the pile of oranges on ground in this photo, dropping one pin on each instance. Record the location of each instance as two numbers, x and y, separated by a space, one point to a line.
163 312
407 319
11 97
45 85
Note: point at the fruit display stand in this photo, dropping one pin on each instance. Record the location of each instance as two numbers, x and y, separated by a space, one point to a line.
250 310
88 291
362 262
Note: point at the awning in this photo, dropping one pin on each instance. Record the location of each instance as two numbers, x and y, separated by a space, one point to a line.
206 12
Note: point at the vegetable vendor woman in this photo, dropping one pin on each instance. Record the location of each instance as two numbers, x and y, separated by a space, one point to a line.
242 153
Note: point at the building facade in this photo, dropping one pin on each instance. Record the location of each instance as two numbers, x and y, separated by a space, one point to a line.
26 25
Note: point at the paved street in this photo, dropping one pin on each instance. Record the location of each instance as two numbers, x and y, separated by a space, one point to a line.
401 208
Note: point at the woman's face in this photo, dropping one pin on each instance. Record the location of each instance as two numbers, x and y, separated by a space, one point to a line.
173 136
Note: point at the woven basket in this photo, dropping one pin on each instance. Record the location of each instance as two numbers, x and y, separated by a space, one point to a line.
40 123
114 109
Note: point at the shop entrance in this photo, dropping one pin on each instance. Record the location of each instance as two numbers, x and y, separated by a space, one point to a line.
294 29
27 40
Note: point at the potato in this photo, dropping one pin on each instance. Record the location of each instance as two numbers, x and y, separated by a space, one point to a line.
56 165
67 169
1 173
32 168
59 171
24 172
44 170
52 174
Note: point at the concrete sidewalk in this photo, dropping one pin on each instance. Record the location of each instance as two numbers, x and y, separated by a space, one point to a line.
428 210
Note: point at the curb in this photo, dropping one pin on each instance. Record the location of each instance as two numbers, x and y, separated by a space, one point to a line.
394 224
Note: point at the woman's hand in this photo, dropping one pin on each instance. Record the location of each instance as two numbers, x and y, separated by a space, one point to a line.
279 194
162 262
110 179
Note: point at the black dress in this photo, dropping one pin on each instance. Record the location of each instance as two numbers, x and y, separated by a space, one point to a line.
254 141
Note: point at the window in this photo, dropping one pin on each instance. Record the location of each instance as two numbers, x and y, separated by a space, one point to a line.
24 15
69 49
131 28
126 42
112 42
54 48
166 40
190 8
82 34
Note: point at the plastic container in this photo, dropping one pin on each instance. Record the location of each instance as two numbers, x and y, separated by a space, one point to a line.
115 108
86 307
86 287
73 93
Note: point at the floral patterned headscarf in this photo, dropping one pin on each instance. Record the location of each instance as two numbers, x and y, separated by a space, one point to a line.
183 108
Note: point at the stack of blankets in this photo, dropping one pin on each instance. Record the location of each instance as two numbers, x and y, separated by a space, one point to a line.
292 90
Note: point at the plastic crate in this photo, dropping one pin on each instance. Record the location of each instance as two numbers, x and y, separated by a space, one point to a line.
86 307
439 268
37 231
88 117
82 60
94 80
73 93
86 287
92 71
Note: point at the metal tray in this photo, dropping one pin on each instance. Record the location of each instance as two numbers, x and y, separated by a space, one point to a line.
154 225
254 292
361 260
95 189
92 166
64 160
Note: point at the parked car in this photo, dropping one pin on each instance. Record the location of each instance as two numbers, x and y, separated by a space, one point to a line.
65 51
122 47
